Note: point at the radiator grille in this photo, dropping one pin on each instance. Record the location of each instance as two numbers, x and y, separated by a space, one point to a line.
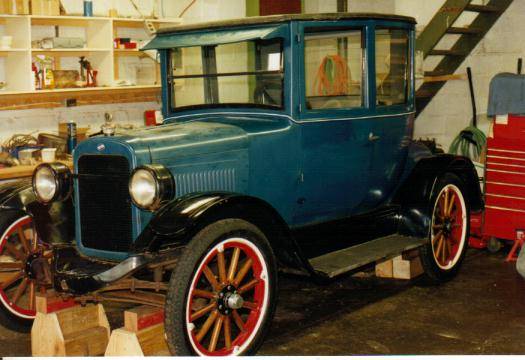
104 202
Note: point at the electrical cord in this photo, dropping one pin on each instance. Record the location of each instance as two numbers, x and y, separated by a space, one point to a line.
332 76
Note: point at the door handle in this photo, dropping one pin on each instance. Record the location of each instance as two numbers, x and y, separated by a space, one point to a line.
372 137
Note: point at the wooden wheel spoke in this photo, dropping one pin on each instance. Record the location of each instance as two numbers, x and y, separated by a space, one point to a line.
249 305
233 264
35 240
211 278
437 226
242 272
451 204
248 286
237 319
11 265
12 280
203 294
445 205
32 296
221 264
14 251
216 333
201 312
227 333
437 250
207 325
20 290
444 250
23 240
437 236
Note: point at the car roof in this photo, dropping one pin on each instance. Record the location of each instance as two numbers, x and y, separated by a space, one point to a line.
275 19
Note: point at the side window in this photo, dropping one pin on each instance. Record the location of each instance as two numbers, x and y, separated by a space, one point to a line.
392 66
333 63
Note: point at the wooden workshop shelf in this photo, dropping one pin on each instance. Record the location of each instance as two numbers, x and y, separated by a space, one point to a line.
16 172
20 92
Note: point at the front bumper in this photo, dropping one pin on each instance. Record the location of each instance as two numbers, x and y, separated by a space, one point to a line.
78 275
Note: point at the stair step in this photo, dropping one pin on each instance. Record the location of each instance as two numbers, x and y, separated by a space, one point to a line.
342 261
483 8
446 53
463 30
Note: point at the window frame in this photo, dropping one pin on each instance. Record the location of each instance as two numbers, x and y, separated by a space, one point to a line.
333 27
409 86
181 109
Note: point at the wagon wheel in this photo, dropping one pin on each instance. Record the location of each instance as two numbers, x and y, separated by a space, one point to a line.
449 227
222 293
227 298
24 268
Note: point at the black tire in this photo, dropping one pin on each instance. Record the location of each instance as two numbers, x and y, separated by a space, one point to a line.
435 272
494 245
7 318
201 248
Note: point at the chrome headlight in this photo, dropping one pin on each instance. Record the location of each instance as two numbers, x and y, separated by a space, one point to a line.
150 186
52 182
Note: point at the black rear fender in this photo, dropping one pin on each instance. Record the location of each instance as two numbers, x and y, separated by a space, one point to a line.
415 193
176 223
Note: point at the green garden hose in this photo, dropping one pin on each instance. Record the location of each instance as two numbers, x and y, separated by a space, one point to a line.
470 143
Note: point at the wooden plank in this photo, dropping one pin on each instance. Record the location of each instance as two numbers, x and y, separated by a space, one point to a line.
444 78
21 171
142 317
50 303
385 269
84 96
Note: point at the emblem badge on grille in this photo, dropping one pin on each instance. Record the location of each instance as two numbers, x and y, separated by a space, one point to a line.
101 147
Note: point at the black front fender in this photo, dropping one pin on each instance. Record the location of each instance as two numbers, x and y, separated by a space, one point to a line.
54 222
176 223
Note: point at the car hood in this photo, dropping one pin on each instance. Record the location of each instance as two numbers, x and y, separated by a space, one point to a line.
154 144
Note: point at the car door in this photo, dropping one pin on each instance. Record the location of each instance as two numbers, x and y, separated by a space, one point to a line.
392 123
336 150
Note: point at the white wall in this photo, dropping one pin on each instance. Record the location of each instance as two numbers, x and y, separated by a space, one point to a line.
450 111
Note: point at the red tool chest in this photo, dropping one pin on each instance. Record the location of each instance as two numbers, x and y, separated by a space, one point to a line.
504 215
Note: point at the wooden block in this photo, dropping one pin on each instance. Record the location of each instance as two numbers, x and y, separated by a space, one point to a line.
45 7
74 331
385 269
150 341
49 303
406 269
142 317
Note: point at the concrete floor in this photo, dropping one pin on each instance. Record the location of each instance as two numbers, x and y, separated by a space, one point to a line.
480 312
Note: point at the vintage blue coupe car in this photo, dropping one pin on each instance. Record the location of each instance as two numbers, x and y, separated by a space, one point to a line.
287 145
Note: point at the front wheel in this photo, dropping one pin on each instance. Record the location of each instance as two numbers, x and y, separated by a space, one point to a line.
222 294
442 256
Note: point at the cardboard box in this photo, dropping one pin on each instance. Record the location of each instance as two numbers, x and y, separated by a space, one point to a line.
15 7
45 7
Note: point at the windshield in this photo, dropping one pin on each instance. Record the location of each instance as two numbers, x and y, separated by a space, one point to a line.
248 73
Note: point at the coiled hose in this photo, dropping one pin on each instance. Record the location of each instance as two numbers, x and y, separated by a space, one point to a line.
470 143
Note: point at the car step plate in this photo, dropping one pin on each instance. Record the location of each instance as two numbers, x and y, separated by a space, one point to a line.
345 260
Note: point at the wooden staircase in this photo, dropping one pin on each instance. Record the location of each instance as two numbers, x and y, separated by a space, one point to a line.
441 25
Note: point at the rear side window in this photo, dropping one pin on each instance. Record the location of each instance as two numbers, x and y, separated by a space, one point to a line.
392 67
334 64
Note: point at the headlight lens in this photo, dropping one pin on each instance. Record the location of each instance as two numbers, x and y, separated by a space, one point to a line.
52 182
150 186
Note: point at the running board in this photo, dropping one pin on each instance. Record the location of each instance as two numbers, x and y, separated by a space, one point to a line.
345 260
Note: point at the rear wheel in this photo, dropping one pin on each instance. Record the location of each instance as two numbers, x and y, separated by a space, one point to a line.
443 255
221 296
24 270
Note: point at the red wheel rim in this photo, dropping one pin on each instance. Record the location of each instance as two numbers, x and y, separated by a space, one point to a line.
448 227
228 298
19 248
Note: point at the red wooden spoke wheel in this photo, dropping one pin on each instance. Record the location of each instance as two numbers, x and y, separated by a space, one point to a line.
449 227
24 268
227 299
